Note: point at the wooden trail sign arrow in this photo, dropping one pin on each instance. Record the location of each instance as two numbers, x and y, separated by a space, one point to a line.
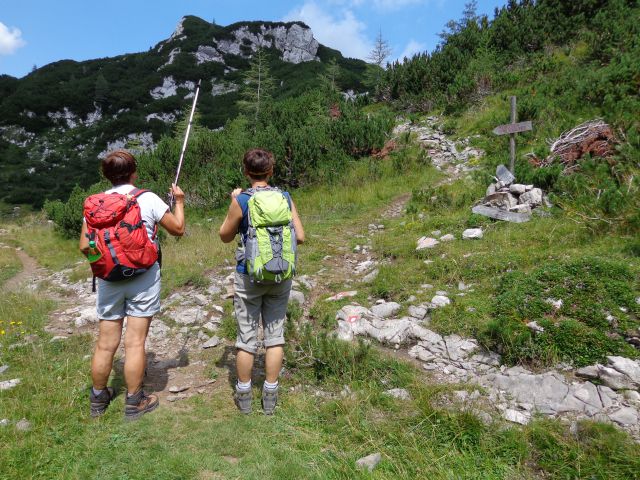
511 129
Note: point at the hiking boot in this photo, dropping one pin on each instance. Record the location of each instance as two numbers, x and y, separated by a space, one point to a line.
138 404
269 400
99 403
243 399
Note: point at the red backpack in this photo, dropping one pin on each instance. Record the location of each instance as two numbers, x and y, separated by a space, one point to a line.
114 222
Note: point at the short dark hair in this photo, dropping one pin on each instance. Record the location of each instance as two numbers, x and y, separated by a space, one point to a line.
258 163
118 166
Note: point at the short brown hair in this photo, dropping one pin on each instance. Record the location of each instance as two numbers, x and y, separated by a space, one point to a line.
258 163
118 166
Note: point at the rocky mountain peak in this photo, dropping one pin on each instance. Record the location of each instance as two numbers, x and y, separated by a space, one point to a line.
294 40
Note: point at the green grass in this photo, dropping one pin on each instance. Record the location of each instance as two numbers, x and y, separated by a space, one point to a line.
10 264
311 436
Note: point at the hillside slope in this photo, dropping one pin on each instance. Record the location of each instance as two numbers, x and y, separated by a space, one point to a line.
57 120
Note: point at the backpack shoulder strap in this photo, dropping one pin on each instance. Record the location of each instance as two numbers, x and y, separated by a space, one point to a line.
136 192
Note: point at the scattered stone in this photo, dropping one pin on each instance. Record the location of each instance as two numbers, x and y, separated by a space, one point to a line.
5 422
426 242
440 301
557 304
515 416
499 214
447 238
532 197
307 282
369 462
178 389
23 425
341 295
535 328
9 384
158 329
386 310
364 266
212 342
399 393
212 327
417 312
504 176
472 233
189 316
200 299
625 416
296 296
3 369
426 286
370 277
175 398
517 188
58 338
436 233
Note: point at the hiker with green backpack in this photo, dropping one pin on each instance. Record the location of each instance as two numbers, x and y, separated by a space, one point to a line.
270 230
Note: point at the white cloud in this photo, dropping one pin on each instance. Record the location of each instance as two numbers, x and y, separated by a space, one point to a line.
412 48
395 4
340 30
379 4
10 39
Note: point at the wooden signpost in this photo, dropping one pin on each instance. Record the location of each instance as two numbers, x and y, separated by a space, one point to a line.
511 129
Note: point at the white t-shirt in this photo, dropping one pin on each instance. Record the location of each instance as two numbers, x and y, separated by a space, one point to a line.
152 207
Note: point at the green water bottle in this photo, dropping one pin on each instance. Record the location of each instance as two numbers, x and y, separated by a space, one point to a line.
94 254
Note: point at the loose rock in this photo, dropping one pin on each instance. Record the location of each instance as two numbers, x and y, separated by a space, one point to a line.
23 425
9 384
178 389
440 301
426 242
472 233
369 462
212 342
399 393
296 296
386 310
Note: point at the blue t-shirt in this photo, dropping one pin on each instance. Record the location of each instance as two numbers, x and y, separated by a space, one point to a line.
243 201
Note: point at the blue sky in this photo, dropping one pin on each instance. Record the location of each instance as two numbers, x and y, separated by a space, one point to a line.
38 32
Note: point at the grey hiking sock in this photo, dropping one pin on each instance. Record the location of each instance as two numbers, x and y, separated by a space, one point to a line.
269 399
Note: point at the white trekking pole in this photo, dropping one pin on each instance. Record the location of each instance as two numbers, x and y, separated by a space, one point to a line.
184 144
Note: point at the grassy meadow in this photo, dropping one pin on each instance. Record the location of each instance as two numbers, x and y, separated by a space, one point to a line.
321 428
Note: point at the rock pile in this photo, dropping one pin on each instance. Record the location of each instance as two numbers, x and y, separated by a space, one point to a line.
446 154
515 393
507 200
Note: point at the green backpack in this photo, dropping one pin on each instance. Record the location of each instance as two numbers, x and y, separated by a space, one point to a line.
270 245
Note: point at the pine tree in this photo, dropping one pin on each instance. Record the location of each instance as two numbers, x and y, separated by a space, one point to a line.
378 56
101 95
329 79
258 85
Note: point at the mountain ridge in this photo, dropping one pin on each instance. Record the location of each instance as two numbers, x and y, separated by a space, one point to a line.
58 119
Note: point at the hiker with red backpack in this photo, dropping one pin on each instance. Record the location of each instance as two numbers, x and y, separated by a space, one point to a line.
270 230
119 237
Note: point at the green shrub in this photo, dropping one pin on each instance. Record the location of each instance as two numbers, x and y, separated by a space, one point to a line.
579 331
67 216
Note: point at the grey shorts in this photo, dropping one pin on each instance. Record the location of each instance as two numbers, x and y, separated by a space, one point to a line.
255 301
136 297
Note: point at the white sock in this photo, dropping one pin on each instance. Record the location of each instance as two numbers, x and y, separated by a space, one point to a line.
271 386
96 392
243 385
